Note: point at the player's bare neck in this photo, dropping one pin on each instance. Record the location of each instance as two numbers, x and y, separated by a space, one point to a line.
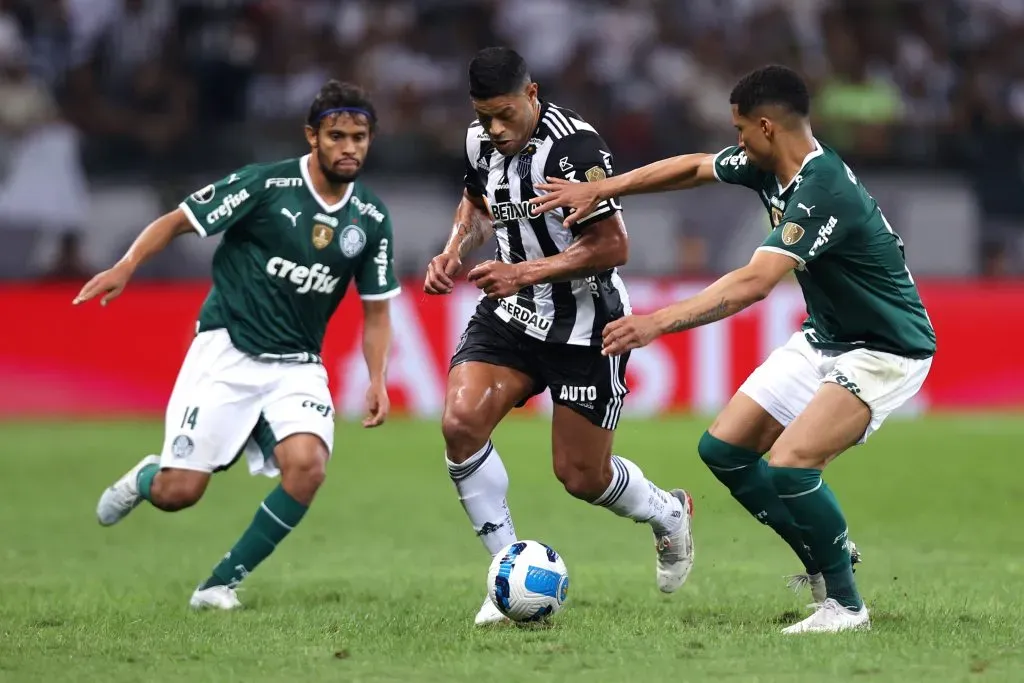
330 192
793 150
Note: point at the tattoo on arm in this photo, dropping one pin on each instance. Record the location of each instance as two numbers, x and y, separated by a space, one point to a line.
714 314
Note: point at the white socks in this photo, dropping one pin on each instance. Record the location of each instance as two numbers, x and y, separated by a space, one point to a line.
482 483
631 495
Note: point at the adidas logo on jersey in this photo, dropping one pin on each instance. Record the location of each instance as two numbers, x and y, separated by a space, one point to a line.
227 206
316 279
367 209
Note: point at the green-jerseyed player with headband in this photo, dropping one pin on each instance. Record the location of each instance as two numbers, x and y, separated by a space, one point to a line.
864 350
295 234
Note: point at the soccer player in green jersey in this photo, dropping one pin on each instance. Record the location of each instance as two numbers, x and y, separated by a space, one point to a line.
295 234
864 350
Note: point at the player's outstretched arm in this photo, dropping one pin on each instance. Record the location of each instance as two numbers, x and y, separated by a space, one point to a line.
601 246
150 241
471 229
376 343
726 296
676 173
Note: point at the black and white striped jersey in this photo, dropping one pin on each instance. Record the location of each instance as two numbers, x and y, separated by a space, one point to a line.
563 146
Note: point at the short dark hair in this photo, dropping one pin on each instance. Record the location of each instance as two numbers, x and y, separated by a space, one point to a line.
773 84
496 71
336 97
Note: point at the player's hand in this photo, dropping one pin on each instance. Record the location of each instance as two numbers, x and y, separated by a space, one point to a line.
110 283
626 334
440 272
580 198
497 278
378 405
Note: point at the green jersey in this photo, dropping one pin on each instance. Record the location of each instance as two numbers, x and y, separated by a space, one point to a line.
287 256
850 264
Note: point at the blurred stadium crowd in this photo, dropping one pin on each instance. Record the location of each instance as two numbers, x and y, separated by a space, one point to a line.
158 91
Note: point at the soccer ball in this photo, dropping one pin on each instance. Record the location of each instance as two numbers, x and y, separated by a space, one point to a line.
527 581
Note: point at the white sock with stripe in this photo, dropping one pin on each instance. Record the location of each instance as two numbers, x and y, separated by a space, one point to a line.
482 483
633 496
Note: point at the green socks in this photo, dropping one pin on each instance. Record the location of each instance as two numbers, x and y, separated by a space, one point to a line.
817 513
144 481
745 474
278 515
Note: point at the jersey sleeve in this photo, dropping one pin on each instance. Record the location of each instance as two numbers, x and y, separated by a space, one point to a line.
474 183
224 203
376 279
583 157
809 227
732 166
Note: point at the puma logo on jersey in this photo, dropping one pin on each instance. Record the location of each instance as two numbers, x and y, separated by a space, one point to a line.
315 279
291 216
805 208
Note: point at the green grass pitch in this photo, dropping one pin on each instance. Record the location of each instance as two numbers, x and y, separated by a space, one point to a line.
382 579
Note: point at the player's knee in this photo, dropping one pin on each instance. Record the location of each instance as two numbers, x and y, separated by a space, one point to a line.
586 481
174 490
464 434
788 455
305 469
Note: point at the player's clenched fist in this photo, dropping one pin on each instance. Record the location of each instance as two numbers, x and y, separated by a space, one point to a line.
110 282
497 278
626 334
440 272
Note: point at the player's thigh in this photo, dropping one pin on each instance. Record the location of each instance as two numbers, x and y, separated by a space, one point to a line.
882 381
772 397
834 420
295 429
581 452
588 390
490 373
746 424
213 407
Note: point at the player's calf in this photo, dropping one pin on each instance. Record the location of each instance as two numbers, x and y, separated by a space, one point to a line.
302 459
172 489
585 465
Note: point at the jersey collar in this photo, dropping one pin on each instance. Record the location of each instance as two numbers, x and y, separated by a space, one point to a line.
329 208
813 154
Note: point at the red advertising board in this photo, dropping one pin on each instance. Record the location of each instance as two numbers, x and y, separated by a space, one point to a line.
60 360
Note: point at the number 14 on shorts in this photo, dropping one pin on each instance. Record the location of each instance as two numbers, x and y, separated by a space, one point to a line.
190 417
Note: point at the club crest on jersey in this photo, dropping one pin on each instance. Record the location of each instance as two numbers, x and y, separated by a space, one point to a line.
595 174
205 195
791 234
353 239
322 235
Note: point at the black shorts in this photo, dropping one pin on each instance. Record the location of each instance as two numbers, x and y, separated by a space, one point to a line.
579 377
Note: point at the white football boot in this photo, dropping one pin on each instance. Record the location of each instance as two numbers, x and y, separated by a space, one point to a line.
123 495
215 597
489 614
675 550
816 582
831 617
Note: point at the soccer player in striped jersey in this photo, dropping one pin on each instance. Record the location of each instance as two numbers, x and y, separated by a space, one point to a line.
546 297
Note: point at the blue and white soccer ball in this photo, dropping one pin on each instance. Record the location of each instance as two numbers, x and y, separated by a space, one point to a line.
527 581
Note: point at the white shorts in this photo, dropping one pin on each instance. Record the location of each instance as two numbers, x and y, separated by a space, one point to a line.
788 379
226 403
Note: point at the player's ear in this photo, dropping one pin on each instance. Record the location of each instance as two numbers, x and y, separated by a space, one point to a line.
311 136
767 127
531 91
